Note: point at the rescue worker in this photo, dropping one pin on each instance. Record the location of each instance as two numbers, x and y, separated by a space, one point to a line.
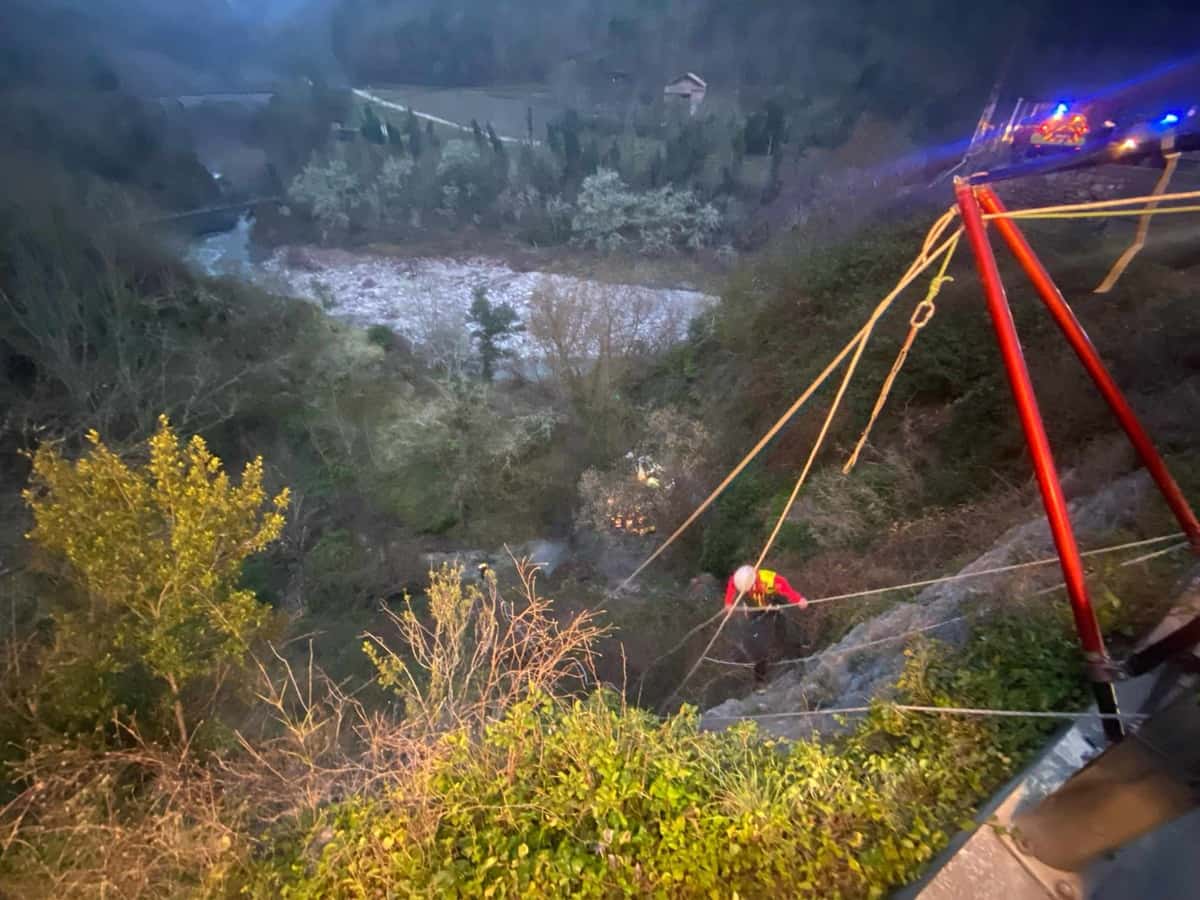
759 586
762 589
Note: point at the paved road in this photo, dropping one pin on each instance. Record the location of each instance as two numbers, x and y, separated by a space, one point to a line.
388 104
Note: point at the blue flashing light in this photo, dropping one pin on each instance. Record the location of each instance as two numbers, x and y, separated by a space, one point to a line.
1060 110
1169 119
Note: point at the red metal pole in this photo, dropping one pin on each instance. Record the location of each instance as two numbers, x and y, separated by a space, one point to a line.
1099 669
1086 351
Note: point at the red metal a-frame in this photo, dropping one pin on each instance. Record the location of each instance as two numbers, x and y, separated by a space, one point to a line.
973 202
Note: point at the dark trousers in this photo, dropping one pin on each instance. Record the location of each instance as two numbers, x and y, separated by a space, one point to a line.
765 635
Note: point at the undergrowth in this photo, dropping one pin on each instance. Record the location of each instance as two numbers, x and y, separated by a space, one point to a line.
591 797
501 769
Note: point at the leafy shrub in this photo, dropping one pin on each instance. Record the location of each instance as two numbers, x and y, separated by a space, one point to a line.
155 555
500 781
843 511
1025 658
734 524
393 188
450 450
592 798
382 337
467 177
659 481
609 216
331 191
328 569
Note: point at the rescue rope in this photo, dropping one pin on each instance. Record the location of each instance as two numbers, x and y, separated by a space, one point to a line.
1098 214
1095 204
1157 553
1146 557
1143 229
845 651
926 258
817 444
703 654
937 625
983 573
944 710
855 348
919 265
678 646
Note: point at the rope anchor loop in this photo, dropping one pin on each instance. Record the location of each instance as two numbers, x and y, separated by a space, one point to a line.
922 314
927 308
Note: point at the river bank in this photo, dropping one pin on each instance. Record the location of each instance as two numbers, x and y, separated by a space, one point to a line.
425 296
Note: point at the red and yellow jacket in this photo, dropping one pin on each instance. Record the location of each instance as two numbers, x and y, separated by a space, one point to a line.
768 584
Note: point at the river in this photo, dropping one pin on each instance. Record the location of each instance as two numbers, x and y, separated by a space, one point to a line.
426 298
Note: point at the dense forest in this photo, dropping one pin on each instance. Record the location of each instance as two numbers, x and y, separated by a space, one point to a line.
278 614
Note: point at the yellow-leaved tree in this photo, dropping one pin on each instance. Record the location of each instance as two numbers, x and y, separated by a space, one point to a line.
155 552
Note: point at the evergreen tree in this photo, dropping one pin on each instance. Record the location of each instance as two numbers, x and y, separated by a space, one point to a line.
412 127
554 139
372 127
686 152
493 327
739 146
657 167
572 147
589 162
494 140
612 158
395 137
728 181
499 155
774 179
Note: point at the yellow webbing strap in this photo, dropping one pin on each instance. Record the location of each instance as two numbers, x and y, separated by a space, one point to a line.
1143 228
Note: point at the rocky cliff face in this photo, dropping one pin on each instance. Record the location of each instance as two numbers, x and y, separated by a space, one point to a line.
844 677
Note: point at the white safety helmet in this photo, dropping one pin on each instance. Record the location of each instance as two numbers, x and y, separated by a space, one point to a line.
744 579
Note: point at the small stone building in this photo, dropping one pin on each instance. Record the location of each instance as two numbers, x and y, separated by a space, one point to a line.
689 89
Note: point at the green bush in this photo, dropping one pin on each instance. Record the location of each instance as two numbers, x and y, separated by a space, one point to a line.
592 798
330 568
381 336
596 800
734 524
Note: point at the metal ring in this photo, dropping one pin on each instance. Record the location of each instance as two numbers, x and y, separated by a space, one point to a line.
922 314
